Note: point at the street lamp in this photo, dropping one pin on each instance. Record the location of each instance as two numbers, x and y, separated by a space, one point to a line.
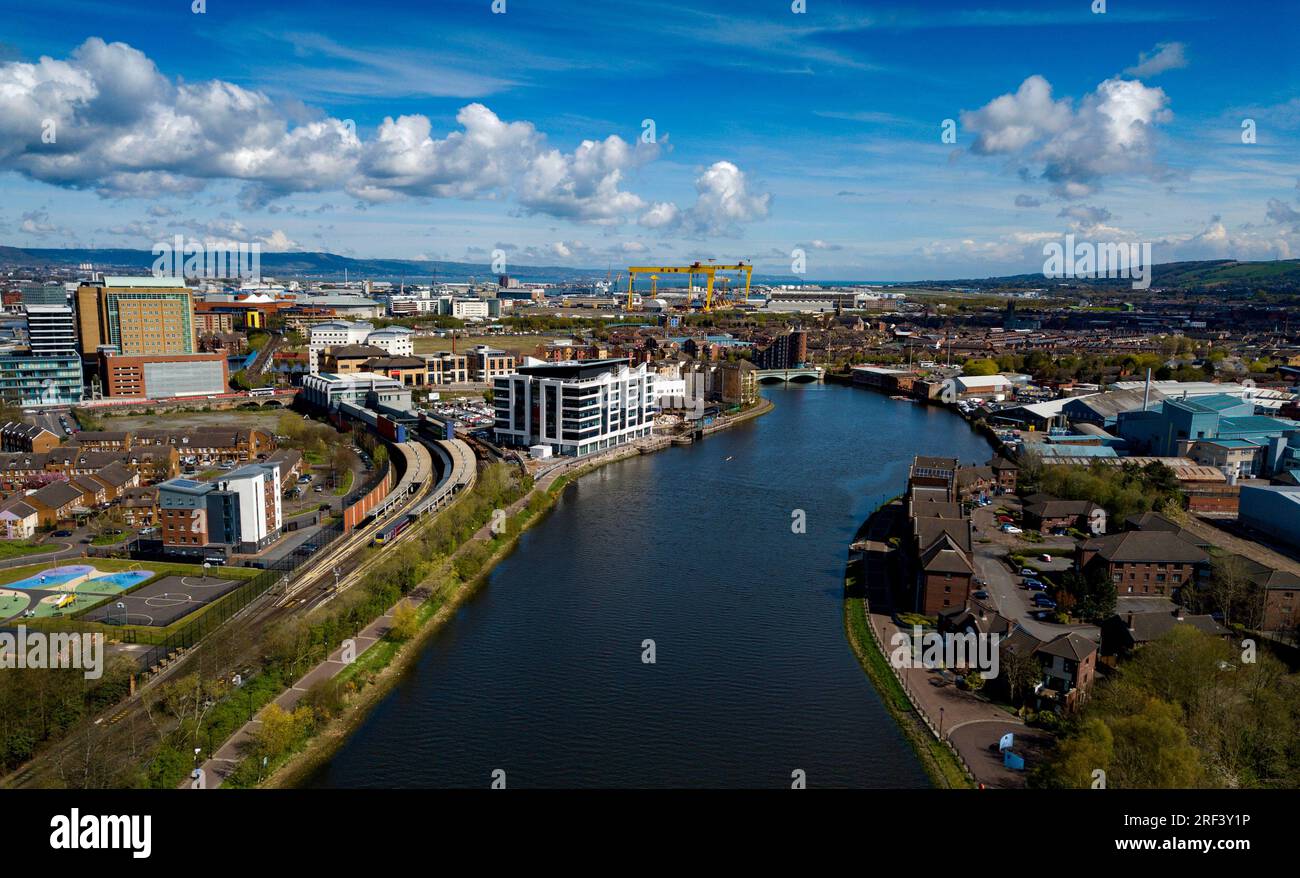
941 723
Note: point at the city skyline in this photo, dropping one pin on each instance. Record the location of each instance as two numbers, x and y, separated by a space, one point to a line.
449 133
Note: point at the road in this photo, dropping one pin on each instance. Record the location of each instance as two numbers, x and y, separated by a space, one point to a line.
1007 594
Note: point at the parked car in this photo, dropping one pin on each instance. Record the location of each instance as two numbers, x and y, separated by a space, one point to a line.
62 533
1035 585
1006 519
146 531
1028 571
1011 529
1042 600
1046 557
982 594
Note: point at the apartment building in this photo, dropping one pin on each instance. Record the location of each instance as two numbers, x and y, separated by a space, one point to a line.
574 409
488 364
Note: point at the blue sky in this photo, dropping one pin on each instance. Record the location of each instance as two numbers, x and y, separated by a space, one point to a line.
442 130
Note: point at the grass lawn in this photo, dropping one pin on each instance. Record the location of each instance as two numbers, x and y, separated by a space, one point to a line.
19 548
513 343
110 539
117 565
345 484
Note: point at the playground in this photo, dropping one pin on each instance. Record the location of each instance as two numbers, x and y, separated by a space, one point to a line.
163 601
120 592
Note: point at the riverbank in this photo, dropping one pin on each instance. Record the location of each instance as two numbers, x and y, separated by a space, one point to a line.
939 761
526 512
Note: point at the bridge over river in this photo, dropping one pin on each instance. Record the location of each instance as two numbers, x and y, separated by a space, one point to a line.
801 375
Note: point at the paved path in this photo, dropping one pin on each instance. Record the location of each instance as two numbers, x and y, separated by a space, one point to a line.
228 756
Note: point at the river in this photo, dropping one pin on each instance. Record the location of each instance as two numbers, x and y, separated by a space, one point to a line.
541 674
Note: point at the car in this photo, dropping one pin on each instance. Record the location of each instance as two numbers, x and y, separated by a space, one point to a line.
302 480
144 532
62 533
1011 529
86 539
1045 557
1028 571
981 594
1006 519
1035 585
1042 600
318 489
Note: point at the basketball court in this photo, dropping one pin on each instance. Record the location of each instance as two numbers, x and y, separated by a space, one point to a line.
161 603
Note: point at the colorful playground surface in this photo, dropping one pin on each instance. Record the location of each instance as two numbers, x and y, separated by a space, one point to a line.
61 591
82 578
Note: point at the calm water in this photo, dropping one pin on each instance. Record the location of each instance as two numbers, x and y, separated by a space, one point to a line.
541 674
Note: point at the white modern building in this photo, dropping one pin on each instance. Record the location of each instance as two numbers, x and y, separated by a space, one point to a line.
326 390
575 408
395 340
257 489
51 329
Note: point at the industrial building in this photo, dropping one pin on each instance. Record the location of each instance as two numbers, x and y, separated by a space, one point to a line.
574 409
1273 510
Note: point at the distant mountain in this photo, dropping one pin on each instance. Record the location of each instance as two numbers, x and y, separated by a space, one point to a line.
316 266
1228 274
1278 275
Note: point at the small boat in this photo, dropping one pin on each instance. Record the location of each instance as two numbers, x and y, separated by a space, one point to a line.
730 457
901 398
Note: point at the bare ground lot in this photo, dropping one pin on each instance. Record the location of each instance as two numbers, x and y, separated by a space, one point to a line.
262 419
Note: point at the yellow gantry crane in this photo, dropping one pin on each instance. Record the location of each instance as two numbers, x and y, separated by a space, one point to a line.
709 270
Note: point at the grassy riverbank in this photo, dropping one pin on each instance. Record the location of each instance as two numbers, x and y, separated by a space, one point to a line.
938 761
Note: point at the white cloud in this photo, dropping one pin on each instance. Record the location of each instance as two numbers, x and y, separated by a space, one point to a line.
124 129
1165 56
1111 132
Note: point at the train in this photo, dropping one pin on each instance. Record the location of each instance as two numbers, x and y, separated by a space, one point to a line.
391 532
381 424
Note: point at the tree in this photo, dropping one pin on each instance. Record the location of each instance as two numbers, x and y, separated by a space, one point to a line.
1022 672
980 367
406 623
1093 592
1230 586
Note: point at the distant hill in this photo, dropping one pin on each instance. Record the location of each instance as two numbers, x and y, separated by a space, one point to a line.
1281 275
325 266
1228 274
